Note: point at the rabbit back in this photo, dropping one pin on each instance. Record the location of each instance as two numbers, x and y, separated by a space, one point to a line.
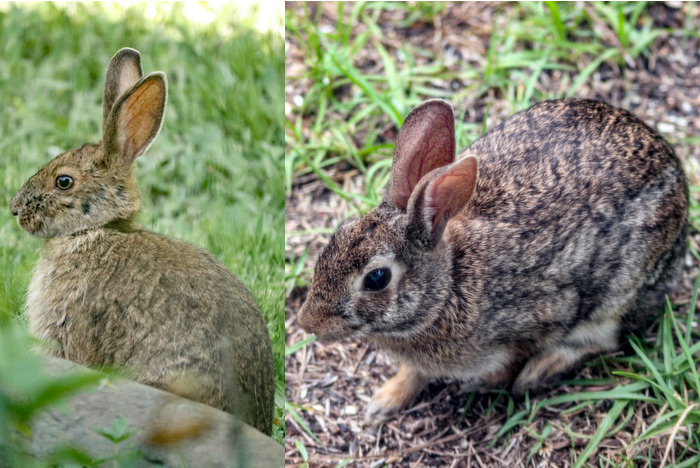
577 227
577 193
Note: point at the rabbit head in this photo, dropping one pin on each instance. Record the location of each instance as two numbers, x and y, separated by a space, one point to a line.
93 185
381 275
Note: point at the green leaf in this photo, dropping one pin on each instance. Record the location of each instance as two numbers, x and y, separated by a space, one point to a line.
118 432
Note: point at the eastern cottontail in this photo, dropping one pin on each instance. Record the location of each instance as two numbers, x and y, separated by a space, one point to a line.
572 228
110 293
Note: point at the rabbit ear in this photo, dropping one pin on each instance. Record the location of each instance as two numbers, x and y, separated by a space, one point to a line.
426 141
442 196
136 119
123 71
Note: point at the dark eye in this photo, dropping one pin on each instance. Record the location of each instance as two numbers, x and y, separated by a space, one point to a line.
64 182
378 279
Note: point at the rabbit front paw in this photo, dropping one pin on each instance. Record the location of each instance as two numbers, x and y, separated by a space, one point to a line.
395 394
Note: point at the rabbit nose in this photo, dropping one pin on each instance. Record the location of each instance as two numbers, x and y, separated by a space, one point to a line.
14 205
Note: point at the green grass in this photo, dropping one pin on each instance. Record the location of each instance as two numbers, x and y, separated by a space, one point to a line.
664 376
342 100
537 36
214 176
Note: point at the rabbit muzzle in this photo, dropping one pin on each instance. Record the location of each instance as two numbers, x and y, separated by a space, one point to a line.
326 326
24 208
15 205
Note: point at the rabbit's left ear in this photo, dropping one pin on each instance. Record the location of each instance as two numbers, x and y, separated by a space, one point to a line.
426 141
135 119
123 71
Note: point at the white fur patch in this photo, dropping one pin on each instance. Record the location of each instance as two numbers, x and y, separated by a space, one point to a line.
597 333
68 245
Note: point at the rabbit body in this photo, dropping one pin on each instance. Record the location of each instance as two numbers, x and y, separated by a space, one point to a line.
164 309
570 233
109 293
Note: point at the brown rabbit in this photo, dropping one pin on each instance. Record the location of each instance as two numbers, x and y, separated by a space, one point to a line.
110 293
572 228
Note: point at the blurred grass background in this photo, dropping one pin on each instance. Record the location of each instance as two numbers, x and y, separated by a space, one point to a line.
214 176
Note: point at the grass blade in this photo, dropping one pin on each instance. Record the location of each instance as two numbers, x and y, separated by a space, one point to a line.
361 82
298 345
605 425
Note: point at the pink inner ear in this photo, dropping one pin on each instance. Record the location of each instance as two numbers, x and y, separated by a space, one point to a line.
450 191
426 142
436 149
140 118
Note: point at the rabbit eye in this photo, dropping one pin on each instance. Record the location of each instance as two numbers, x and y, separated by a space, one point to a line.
378 279
64 182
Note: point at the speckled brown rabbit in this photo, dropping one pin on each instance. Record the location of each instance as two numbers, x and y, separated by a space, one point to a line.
108 292
572 229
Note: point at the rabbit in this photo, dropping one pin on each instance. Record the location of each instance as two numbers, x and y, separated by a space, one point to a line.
110 293
548 238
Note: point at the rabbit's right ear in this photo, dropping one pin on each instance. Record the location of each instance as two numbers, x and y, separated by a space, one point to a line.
439 197
123 71
426 141
135 119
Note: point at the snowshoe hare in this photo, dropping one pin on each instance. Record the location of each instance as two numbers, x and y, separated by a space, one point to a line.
108 292
540 245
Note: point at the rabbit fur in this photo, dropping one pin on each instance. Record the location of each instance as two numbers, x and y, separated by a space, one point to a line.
109 293
547 239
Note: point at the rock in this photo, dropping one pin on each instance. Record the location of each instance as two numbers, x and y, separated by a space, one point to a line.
170 431
665 127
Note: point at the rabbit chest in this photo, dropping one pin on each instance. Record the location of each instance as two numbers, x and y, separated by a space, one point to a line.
69 301
103 297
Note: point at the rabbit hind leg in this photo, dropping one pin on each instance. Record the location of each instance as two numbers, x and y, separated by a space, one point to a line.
585 340
662 280
601 335
187 383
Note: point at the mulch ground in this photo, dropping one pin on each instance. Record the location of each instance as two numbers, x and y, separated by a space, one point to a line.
446 426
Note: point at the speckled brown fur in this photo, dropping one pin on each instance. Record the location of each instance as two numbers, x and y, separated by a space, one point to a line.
575 231
108 293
